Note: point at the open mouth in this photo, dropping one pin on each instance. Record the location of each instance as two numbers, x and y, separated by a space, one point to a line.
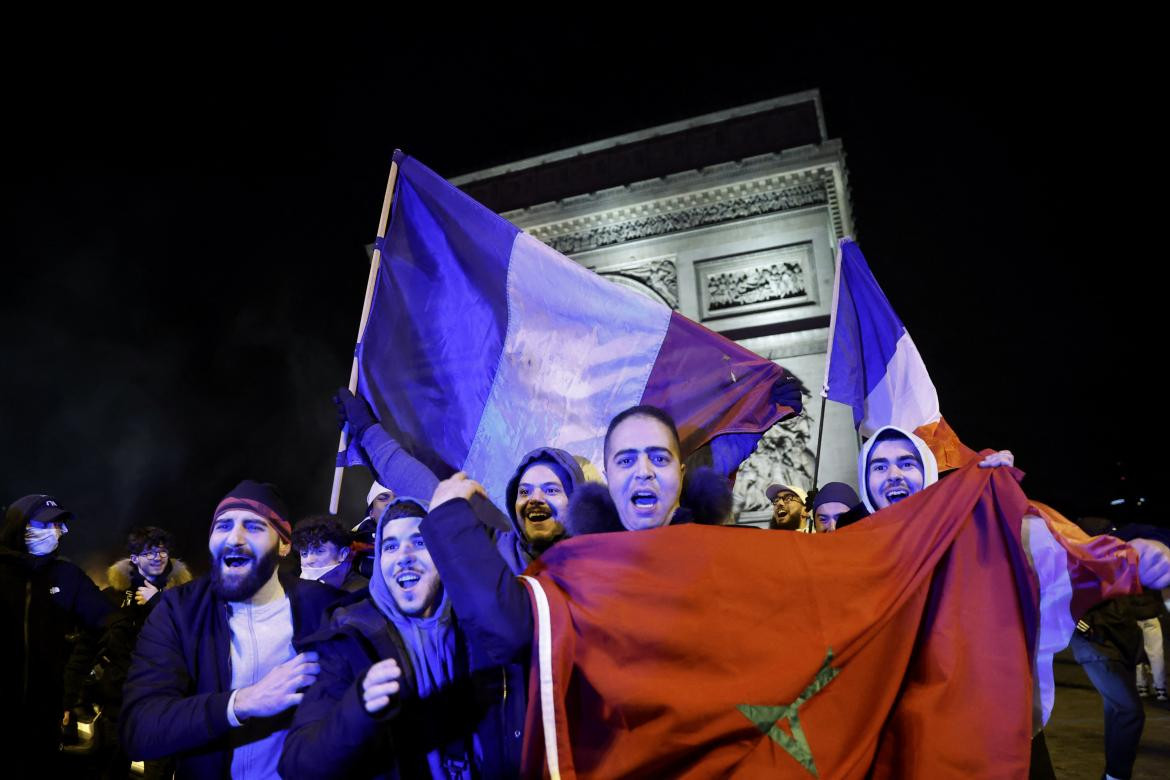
897 494
537 514
644 500
407 579
236 561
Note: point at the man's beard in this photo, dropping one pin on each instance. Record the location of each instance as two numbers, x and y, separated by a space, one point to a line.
788 521
243 588
551 534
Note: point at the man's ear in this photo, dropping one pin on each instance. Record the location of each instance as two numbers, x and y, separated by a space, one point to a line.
342 554
133 559
284 548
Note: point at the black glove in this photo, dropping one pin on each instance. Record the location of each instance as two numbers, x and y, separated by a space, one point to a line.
789 391
354 411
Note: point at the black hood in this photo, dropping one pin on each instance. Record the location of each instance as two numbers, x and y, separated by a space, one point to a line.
565 462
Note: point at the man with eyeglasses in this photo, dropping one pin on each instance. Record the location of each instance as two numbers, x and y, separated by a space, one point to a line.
134 582
788 508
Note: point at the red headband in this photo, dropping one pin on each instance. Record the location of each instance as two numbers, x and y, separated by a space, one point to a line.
282 527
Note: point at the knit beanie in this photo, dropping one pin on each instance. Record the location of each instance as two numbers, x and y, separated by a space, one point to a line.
264 499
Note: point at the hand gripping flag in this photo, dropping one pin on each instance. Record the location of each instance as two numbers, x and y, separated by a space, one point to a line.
908 653
874 367
482 343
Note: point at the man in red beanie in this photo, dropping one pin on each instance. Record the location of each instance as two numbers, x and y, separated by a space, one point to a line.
214 678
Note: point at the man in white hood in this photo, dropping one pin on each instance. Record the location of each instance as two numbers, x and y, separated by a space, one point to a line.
895 464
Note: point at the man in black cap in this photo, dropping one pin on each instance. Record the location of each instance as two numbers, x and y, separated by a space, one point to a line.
832 501
42 598
214 678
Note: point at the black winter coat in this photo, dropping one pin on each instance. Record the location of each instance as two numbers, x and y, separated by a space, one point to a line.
332 735
42 599
177 690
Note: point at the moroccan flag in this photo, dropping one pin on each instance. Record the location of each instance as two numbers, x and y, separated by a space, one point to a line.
898 648
874 367
482 343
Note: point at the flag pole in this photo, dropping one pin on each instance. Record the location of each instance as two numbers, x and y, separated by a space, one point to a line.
820 437
828 359
375 262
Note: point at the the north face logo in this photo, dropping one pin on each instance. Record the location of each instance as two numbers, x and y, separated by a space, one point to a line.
50 502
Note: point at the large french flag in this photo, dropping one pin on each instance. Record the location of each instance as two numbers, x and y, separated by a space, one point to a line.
482 343
874 367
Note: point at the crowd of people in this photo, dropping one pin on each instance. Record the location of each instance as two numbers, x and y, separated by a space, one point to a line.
404 646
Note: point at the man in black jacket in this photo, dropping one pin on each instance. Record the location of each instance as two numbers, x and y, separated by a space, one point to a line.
214 678
42 597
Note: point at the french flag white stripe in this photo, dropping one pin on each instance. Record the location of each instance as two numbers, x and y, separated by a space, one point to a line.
578 349
1050 562
905 397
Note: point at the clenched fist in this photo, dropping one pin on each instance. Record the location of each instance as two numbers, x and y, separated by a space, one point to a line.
380 685
458 485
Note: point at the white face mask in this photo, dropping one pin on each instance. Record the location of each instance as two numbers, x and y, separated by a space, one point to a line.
317 572
42 541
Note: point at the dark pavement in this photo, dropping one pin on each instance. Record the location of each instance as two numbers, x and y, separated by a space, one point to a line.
1074 732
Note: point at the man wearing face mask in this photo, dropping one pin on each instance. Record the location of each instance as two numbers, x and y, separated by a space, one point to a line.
400 692
324 547
42 597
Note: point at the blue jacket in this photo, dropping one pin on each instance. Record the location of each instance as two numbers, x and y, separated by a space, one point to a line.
177 690
332 735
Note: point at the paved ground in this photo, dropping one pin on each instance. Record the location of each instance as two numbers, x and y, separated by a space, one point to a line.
1075 730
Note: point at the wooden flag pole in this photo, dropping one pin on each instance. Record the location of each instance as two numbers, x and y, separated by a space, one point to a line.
375 262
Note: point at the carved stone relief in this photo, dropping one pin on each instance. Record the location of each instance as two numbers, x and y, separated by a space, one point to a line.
683 213
756 281
660 274
784 455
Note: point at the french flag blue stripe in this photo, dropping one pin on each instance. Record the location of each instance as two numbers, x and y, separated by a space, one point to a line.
864 324
873 365
438 317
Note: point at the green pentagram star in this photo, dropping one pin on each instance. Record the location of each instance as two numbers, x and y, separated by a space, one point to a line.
767 718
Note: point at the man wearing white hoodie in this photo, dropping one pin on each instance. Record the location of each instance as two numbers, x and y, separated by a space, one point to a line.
895 464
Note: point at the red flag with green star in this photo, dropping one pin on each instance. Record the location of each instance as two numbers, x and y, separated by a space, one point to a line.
898 647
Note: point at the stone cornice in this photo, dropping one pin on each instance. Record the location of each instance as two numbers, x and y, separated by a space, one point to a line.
779 192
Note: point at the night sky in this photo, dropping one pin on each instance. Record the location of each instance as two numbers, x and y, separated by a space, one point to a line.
186 219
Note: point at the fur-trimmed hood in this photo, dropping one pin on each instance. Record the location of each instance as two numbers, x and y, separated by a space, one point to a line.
706 500
121 573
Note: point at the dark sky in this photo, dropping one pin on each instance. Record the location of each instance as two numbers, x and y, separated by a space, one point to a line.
186 216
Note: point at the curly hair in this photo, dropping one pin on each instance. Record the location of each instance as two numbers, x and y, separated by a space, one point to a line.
319 529
148 537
